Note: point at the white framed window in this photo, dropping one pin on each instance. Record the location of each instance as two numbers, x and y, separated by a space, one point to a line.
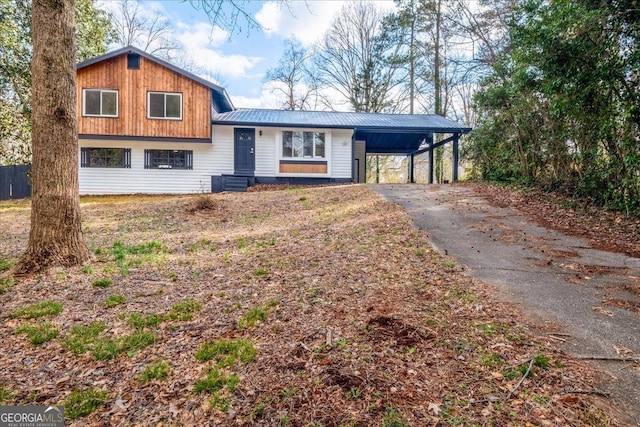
100 102
298 144
164 105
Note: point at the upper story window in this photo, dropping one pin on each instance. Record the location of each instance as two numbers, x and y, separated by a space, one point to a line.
100 102
303 144
164 105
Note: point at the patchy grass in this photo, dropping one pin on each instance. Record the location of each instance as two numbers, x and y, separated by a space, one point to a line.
102 283
5 395
38 333
135 342
82 403
37 310
114 300
87 338
260 272
155 371
5 265
126 256
252 317
6 284
332 310
184 310
141 321
226 352
215 381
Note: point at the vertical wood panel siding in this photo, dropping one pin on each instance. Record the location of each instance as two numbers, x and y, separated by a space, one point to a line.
132 86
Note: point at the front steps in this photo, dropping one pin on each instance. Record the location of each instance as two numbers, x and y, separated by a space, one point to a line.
238 184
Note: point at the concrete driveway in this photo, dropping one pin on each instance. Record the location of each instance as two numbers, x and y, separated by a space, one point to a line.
559 281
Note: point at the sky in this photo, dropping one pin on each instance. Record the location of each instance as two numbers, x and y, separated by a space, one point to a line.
239 61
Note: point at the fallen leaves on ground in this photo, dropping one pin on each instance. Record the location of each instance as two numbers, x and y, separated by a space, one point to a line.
607 230
354 319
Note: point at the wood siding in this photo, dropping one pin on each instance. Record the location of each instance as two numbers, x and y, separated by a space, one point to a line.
132 86
303 167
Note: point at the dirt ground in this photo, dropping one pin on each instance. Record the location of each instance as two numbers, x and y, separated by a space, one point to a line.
343 314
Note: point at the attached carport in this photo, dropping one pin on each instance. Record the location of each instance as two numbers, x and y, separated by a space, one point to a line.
407 135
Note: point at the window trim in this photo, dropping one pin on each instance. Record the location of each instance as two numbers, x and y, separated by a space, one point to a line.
148 159
84 102
150 117
304 158
85 159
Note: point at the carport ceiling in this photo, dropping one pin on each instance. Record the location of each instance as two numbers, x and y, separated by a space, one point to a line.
381 142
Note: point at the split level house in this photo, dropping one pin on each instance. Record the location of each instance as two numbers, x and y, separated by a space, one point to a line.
147 126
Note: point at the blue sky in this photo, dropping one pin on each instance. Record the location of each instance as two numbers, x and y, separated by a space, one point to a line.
239 61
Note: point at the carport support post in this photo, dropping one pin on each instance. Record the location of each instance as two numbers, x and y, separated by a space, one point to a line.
411 169
431 163
454 160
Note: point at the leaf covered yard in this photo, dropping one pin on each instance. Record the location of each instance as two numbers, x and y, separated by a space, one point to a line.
298 307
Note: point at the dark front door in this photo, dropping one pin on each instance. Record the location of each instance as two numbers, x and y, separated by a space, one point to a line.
244 152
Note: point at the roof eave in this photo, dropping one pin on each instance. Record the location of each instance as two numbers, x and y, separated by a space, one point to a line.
279 125
379 129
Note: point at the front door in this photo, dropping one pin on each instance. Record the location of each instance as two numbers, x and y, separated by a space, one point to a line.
244 152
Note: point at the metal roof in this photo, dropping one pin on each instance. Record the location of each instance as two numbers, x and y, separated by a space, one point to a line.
340 120
383 133
220 98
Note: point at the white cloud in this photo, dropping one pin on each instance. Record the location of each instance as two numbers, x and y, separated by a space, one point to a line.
200 41
265 99
307 20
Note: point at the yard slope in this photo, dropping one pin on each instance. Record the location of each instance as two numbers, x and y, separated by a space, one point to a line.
300 307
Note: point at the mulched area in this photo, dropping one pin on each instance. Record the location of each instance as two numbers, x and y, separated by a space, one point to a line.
355 320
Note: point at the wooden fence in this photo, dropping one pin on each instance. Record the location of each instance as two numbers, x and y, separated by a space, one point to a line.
15 182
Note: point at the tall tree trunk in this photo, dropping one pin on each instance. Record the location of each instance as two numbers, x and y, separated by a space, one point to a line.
437 85
437 82
56 237
412 59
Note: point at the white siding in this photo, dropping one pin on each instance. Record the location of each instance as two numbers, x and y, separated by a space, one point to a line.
266 152
341 154
208 160
222 161
269 152
137 179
